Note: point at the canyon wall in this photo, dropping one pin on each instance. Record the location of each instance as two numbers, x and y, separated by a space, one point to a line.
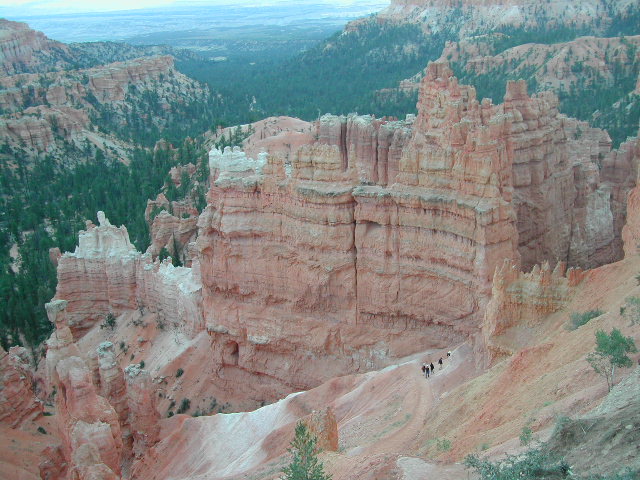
376 240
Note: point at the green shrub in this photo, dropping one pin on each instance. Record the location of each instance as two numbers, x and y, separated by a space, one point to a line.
531 465
184 406
42 430
526 436
579 319
179 373
443 445
109 321
611 352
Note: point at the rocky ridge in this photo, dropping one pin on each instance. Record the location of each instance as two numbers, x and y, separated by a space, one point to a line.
472 16
24 50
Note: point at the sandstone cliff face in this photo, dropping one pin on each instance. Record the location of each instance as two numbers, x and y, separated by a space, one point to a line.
525 299
18 402
107 275
395 226
53 102
23 49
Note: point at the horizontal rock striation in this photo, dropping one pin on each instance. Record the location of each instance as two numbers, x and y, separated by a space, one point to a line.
23 49
382 237
106 274
377 240
18 401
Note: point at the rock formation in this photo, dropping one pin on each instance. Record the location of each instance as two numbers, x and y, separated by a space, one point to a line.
106 274
324 426
18 402
378 228
525 299
23 49
143 415
587 60
91 440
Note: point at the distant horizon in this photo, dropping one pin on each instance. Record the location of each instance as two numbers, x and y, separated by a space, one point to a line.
35 8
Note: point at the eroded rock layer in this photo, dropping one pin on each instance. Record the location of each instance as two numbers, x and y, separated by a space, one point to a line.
107 275
375 241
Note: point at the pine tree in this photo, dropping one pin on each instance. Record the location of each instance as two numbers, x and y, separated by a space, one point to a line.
304 464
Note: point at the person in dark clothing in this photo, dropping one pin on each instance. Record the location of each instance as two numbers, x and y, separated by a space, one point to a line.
427 371
449 353
433 369
440 362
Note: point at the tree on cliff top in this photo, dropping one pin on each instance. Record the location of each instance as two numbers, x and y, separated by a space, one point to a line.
304 464
611 352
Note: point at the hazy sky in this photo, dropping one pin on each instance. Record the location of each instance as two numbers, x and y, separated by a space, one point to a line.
39 7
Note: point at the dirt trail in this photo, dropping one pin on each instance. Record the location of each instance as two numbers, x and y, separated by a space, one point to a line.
423 395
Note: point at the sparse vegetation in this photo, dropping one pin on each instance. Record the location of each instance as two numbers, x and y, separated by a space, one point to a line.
526 436
443 444
304 451
185 405
109 322
531 465
611 352
579 319
141 364
179 372
631 310
42 430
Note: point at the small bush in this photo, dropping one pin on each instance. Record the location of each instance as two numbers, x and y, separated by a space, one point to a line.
443 445
631 310
579 319
184 406
109 321
179 373
532 464
141 364
42 430
526 436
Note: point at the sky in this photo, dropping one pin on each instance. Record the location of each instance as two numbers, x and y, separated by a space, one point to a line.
40 7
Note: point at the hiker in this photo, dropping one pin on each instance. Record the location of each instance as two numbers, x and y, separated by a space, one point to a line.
449 353
433 369
425 369
440 362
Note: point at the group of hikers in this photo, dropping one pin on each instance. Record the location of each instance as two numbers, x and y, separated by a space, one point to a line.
428 368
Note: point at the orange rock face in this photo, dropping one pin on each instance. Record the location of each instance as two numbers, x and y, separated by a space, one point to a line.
18 402
106 274
377 240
